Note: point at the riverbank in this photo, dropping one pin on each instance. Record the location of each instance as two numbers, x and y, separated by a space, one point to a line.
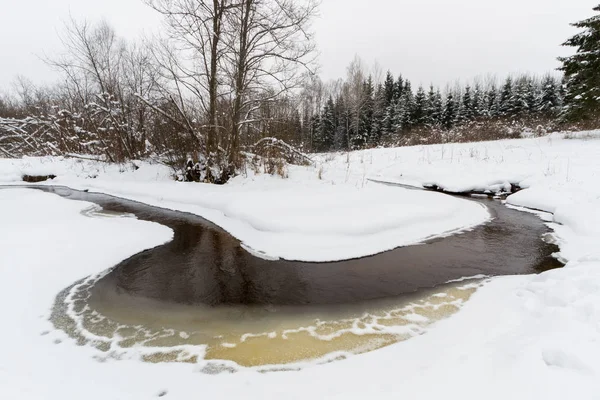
521 337
302 218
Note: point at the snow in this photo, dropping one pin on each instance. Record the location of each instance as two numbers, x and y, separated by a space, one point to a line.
41 253
302 218
518 337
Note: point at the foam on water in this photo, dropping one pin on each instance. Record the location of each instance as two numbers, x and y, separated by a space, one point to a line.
265 338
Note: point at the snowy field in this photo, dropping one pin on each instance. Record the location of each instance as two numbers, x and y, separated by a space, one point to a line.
523 337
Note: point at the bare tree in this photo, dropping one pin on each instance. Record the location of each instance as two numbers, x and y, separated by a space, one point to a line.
267 42
224 60
355 95
312 102
193 62
91 60
95 65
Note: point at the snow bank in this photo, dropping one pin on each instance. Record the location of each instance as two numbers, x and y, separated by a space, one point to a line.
302 218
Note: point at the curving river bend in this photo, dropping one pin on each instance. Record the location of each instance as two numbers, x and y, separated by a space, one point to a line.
202 297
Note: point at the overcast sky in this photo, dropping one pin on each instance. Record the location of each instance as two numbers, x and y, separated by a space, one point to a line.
438 41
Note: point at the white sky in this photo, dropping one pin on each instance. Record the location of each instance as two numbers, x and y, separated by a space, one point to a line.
437 41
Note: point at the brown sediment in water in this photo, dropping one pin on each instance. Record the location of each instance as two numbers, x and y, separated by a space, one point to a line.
202 297
251 336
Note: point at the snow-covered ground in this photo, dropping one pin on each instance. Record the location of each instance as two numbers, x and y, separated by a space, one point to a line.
523 337
301 218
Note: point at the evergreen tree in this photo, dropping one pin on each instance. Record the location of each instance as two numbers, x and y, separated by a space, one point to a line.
467 109
532 95
379 108
420 111
388 88
398 89
430 107
366 115
519 97
327 127
549 101
479 108
450 111
437 108
315 132
398 117
507 99
406 107
392 119
582 71
343 116
389 119
524 95
492 102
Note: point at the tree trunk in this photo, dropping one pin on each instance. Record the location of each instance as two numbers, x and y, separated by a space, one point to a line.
240 89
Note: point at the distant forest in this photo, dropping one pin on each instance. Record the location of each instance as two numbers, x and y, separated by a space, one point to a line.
232 83
360 112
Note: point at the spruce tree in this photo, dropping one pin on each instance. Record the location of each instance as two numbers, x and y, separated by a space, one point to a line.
430 118
507 99
395 111
582 71
388 88
398 89
549 101
343 116
387 117
562 92
492 102
366 115
532 95
478 101
388 120
407 107
398 117
327 127
419 113
467 110
437 109
450 111
519 102
379 108
315 133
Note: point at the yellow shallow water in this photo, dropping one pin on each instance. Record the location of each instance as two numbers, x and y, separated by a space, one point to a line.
251 337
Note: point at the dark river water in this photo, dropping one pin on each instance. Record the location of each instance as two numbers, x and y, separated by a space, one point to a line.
204 282
205 265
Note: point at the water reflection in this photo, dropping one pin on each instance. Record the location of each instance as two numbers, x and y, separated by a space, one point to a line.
204 265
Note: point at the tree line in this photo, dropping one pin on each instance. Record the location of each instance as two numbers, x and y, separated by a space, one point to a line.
360 112
232 82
